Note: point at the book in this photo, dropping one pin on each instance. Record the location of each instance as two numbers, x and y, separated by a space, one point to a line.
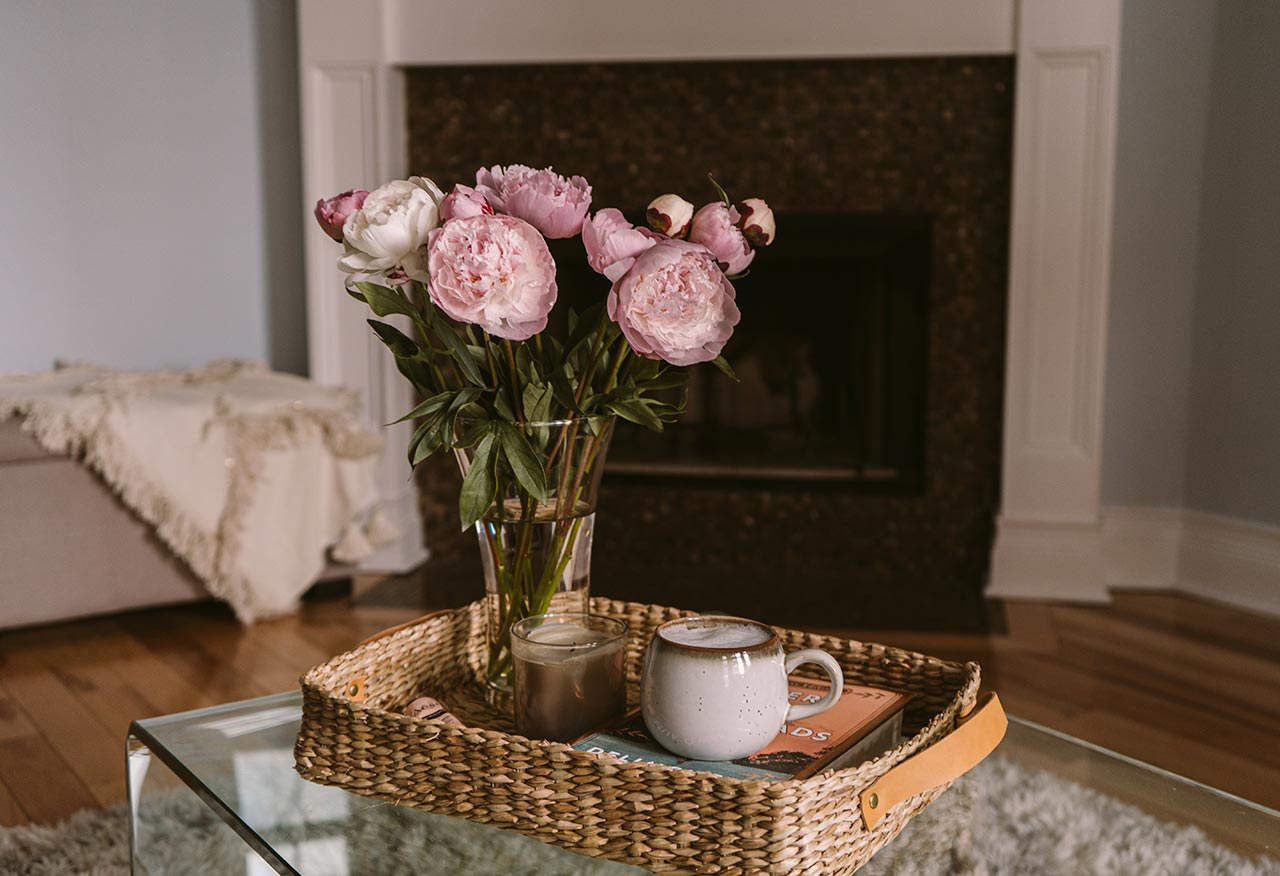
863 724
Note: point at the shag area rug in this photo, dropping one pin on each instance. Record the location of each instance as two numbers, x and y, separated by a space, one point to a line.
1000 819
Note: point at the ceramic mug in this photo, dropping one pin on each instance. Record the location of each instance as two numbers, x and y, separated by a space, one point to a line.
715 687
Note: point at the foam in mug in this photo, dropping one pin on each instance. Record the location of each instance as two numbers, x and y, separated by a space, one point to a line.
717 634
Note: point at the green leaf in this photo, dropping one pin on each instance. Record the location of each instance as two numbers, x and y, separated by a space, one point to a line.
564 391
430 406
417 373
458 350
644 368
350 286
537 402
637 412
723 365
479 487
588 324
462 400
503 405
384 301
672 379
397 341
524 462
475 431
426 440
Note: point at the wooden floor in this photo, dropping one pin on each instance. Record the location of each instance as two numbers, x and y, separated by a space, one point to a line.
1187 685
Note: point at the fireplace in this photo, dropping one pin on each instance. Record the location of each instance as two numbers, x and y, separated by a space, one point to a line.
837 398
854 469
916 123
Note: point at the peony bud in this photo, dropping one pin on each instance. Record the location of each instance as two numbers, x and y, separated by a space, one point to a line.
669 215
331 213
463 203
757 222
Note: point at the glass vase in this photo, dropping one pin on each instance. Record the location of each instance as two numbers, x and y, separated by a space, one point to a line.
537 553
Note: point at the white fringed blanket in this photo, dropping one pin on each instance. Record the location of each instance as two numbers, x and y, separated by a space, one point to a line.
246 474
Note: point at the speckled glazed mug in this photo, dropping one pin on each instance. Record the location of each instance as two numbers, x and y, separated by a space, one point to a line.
715 687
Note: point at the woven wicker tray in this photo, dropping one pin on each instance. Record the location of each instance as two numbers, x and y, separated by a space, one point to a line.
666 820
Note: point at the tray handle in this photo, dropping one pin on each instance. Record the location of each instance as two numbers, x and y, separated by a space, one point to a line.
976 735
398 627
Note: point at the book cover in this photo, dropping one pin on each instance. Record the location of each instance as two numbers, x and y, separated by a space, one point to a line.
801 749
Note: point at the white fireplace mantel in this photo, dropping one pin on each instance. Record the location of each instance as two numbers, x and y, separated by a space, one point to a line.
1048 542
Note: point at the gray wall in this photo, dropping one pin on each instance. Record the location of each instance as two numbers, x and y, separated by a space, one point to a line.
1233 459
1160 140
1193 373
148 160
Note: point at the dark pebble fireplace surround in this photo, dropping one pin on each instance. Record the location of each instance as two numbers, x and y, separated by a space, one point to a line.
922 139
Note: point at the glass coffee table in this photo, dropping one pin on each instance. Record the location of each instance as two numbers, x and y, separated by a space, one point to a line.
214 791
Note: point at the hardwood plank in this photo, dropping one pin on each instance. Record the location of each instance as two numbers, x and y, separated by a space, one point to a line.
13 721
42 782
93 753
1083 680
169 639
1237 685
11 814
113 700
1204 760
1192 617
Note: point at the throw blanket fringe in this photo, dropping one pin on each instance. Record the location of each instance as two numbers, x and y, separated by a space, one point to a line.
81 416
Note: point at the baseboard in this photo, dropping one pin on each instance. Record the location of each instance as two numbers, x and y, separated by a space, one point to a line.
1140 547
1232 561
1060 562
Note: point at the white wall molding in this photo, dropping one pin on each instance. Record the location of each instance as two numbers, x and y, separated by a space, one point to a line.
1048 535
565 31
1232 561
353 135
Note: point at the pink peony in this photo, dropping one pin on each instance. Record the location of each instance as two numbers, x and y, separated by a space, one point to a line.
494 272
550 203
713 227
612 243
675 304
332 212
757 222
463 203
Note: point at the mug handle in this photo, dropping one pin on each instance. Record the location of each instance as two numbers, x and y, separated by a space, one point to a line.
796 711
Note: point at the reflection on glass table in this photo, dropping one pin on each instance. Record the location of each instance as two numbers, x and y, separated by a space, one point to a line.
214 791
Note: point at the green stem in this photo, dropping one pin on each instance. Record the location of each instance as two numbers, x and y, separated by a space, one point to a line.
493 365
592 362
617 366
517 397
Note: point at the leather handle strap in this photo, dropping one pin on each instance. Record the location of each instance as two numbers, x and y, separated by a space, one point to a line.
976 735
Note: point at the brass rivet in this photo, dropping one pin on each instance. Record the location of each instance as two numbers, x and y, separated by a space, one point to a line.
353 690
874 801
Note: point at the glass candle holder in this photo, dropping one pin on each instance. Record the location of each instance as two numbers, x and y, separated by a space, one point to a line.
568 676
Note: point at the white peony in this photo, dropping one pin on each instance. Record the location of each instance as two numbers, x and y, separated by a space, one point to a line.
388 234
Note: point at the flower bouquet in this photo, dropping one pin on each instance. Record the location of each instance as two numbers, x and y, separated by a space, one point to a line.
466 284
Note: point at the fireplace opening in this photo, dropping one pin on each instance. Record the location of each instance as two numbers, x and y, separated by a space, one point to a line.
831 356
